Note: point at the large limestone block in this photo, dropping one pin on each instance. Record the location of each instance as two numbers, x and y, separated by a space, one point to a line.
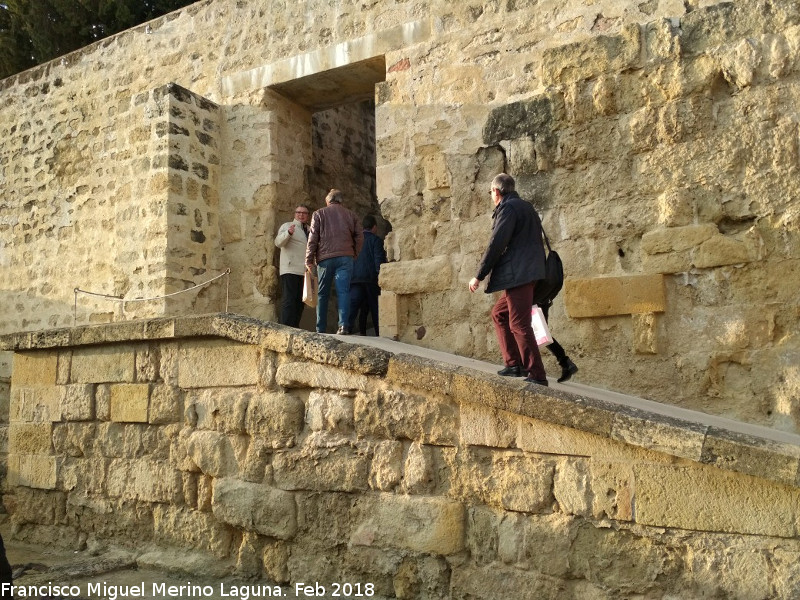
275 418
220 409
398 415
708 499
484 426
37 404
607 296
33 471
310 375
217 363
129 402
144 479
330 411
420 524
325 462
34 368
416 276
723 250
103 364
30 438
77 402
675 239
214 453
589 58
177 526
255 507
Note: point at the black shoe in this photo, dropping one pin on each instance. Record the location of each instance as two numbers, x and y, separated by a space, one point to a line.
343 331
567 371
514 371
536 381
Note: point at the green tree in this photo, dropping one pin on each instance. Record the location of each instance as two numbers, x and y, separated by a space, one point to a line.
35 31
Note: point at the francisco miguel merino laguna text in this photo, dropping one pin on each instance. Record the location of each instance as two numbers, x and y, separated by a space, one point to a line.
115 592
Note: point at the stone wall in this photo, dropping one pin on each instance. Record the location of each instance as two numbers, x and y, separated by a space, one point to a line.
657 139
289 456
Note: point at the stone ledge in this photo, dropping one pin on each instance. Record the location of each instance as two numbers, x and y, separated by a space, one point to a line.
324 349
685 439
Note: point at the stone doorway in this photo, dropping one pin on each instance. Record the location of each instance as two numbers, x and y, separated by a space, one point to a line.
341 102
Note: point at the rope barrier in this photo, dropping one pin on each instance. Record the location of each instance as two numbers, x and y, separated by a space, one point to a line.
121 299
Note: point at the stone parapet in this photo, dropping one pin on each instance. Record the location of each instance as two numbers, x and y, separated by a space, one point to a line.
271 449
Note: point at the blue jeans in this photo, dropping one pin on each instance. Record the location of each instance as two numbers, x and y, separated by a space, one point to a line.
338 269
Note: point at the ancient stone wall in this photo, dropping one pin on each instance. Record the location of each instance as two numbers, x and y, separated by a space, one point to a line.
657 139
290 456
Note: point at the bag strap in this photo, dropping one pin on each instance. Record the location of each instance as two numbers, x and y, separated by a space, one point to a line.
546 240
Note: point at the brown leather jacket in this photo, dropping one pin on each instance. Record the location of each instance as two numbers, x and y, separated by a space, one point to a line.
335 231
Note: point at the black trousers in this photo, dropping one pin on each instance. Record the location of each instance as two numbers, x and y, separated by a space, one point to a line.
555 348
363 300
291 299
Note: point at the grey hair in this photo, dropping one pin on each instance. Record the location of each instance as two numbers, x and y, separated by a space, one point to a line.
504 183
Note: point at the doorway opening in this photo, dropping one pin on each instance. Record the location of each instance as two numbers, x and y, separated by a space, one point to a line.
341 102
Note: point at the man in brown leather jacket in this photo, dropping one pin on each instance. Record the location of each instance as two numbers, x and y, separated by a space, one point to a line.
334 242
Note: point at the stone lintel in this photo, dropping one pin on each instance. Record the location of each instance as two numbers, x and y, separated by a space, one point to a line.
609 296
357 50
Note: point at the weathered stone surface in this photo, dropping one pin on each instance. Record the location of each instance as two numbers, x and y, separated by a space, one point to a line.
217 364
386 468
322 463
414 276
396 415
34 368
689 498
103 364
215 453
145 480
606 296
481 426
269 511
752 456
431 525
77 402
173 526
276 417
220 409
331 351
30 438
33 470
309 375
166 405
329 411
130 402
35 404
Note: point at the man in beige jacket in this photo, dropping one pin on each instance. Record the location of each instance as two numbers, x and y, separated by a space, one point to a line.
292 239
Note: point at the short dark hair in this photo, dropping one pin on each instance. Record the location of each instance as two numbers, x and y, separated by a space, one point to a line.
369 222
504 183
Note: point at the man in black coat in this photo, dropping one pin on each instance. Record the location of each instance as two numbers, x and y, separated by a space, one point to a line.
515 259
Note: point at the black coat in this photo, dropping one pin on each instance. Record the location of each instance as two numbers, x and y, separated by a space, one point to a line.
369 260
515 255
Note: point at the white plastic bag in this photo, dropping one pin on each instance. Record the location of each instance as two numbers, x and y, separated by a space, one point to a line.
540 329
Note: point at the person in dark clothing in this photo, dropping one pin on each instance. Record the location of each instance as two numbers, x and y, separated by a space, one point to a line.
364 289
516 260
568 368
5 570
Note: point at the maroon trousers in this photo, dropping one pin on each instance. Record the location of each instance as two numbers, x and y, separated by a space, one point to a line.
512 324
